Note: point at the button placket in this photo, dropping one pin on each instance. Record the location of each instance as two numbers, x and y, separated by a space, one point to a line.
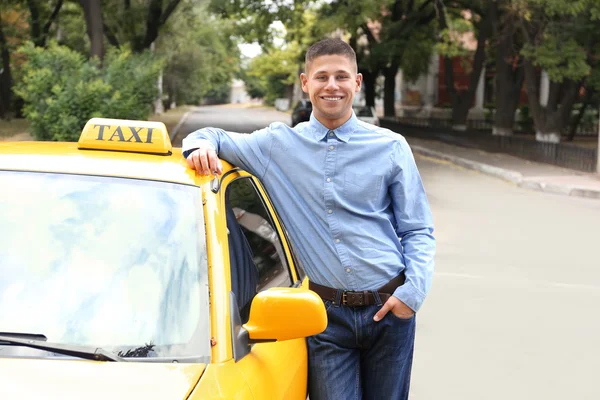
329 172
332 145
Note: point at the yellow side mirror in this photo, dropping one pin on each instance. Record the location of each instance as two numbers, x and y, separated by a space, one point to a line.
285 313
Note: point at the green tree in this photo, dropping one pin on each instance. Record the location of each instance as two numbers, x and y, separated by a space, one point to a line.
70 29
94 22
455 24
560 38
353 17
254 22
201 56
509 72
17 16
254 85
62 89
42 16
136 23
276 71
254 18
406 43
139 22
387 35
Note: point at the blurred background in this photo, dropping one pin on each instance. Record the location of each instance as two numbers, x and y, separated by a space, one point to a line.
482 90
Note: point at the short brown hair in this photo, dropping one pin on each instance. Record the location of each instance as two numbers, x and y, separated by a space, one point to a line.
328 47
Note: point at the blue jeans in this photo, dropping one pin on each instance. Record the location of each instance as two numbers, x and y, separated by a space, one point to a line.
358 358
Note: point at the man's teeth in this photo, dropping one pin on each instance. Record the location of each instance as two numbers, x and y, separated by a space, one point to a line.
332 98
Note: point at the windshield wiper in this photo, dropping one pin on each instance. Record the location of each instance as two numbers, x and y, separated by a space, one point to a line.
85 352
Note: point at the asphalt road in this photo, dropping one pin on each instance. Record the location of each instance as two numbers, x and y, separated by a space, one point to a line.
514 311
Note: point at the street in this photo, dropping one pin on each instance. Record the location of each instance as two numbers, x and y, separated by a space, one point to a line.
514 308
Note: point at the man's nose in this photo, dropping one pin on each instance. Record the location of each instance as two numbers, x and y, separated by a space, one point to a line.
331 83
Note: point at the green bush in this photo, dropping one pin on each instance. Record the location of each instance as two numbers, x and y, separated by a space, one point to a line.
62 90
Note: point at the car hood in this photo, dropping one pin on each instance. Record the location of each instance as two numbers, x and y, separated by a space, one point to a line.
75 379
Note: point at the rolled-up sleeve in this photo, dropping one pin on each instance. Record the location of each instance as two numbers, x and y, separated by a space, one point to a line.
414 226
251 152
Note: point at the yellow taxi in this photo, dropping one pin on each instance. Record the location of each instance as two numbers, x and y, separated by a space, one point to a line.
126 275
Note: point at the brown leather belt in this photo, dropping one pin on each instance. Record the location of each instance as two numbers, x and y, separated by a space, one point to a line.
352 298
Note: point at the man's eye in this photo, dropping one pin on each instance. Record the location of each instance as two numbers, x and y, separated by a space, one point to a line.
321 78
342 77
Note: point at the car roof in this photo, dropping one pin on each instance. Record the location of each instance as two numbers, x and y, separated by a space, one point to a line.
66 157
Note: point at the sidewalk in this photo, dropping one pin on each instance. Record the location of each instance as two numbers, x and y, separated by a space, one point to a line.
524 173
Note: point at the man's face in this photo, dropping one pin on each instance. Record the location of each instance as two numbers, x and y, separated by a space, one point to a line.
331 82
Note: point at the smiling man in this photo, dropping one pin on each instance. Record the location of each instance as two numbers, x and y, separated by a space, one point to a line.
351 198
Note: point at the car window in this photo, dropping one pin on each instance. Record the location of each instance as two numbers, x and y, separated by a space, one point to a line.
258 261
109 262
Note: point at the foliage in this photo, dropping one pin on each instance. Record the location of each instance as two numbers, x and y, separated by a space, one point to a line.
14 31
560 35
562 58
451 40
62 90
139 23
70 30
254 19
201 56
560 38
284 30
255 87
275 72
352 17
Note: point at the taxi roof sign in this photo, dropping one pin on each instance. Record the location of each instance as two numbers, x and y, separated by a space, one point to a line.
125 135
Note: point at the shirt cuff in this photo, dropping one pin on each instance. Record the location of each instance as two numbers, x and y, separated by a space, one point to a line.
410 295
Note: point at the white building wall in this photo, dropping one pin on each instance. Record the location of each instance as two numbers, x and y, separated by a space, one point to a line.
238 92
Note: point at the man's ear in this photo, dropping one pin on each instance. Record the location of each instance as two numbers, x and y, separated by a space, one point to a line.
359 79
304 81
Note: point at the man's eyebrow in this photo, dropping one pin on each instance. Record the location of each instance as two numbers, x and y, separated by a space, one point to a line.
343 71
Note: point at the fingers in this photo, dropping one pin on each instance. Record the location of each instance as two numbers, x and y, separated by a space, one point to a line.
214 162
383 311
190 162
205 161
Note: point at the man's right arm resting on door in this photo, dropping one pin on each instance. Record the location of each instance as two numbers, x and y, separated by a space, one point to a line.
251 152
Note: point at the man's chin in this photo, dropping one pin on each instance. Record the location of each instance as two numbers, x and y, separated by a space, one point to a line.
333 116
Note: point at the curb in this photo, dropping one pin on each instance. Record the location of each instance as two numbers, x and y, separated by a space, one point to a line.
508 175
175 131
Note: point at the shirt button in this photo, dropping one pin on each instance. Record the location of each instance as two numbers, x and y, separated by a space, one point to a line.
330 211
328 179
330 134
330 147
348 270
337 240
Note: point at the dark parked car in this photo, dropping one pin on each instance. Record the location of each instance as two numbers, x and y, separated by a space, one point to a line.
301 112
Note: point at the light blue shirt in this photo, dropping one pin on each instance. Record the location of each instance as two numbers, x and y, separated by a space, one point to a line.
351 199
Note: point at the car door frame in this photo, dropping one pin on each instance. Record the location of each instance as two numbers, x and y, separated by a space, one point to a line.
277 370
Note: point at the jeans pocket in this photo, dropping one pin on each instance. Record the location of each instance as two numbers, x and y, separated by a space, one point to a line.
402 319
361 187
328 304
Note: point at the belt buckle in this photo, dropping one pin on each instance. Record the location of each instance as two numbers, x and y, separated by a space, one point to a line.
351 298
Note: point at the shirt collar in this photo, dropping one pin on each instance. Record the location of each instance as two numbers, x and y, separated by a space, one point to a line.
342 132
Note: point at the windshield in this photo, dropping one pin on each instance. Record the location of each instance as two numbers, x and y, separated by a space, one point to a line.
109 262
